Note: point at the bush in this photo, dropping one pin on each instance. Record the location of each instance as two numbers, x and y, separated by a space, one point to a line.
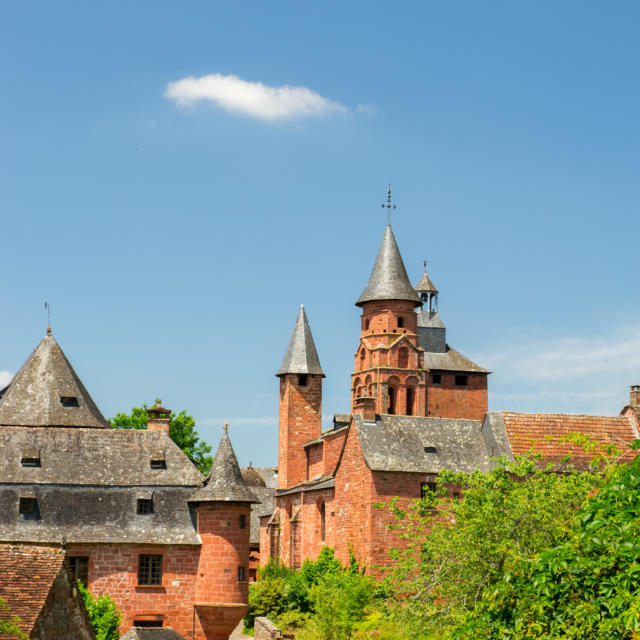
103 614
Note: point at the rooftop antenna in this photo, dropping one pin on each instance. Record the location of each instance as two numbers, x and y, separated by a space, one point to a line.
388 205
47 306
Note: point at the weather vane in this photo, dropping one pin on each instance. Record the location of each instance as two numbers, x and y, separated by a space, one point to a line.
47 306
425 265
388 205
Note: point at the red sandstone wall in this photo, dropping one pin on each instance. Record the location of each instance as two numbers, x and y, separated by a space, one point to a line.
333 443
315 466
448 400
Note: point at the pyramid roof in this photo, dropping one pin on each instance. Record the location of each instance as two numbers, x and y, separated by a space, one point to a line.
388 280
425 284
301 355
47 392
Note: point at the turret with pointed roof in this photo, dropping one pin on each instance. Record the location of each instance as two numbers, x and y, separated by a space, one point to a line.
47 392
225 482
301 355
388 280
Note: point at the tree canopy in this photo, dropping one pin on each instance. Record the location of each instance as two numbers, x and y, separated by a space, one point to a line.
182 429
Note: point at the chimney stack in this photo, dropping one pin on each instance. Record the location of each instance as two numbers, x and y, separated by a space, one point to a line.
158 419
366 407
634 396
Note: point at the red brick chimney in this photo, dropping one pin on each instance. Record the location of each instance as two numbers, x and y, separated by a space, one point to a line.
634 396
366 407
158 419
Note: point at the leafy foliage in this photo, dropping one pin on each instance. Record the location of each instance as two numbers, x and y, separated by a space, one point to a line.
9 624
182 429
103 614
586 587
456 548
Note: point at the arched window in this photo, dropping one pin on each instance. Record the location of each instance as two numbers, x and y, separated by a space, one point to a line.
362 354
366 324
393 394
400 322
411 399
323 523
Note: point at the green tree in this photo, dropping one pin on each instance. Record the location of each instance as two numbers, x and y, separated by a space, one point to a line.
103 614
587 587
9 625
456 548
182 429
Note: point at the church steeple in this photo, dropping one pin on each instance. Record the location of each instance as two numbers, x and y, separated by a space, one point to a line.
301 355
427 291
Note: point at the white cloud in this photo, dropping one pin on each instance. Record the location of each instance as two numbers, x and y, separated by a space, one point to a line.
569 375
252 99
369 109
5 378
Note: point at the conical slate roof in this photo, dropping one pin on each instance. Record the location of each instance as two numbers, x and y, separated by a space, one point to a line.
47 392
301 355
225 483
425 284
388 280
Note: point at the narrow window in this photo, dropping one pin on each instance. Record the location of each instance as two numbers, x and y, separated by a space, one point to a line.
145 506
323 521
69 401
243 521
430 449
366 324
400 322
302 379
158 464
27 506
461 381
30 462
362 354
241 577
392 400
411 395
80 568
148 624
436 378
150 569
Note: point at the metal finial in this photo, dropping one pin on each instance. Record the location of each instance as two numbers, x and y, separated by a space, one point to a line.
158 402
226 428
388 205
425 265
47 306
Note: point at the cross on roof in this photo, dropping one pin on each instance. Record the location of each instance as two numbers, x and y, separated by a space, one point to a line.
388 204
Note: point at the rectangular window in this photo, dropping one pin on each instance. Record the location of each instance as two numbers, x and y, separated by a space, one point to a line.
436 378
158 464
148 624
69 401
30 462
241 577
243 522
302 379
461 381
80 568
27 506
150 569
145 506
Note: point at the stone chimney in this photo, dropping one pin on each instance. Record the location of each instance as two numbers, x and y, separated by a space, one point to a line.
634 396
366 407
158 417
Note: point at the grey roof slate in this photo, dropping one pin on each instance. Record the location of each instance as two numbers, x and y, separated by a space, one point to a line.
266 496
225 481
388 280
100 457
269 475
33 397
151 633
430 319
397 443
425 284
301 355
90 514
451 360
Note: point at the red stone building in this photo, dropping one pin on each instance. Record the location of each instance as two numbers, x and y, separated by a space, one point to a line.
139 521
417 407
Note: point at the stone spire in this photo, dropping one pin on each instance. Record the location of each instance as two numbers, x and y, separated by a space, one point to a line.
301 355
388 280
47 392
225 483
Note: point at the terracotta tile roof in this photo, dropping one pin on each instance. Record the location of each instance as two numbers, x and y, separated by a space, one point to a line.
546 433
27 575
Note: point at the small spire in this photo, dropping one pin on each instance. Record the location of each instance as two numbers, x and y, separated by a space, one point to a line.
225 427
301 355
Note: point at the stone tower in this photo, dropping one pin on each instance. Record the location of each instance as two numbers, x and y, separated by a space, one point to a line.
300 418
389 363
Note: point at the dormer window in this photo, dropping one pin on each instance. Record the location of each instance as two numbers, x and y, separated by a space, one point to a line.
145 506
28 461
158 464
69 401
27 506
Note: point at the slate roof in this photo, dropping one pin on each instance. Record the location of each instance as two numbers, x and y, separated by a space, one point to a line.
425 284
33 397
28 573
388 280
301 355
151 633
225 481
101 457
251 477
543 432
451 360
266 496
397 443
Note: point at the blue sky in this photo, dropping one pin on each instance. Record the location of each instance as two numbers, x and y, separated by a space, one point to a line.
175 204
